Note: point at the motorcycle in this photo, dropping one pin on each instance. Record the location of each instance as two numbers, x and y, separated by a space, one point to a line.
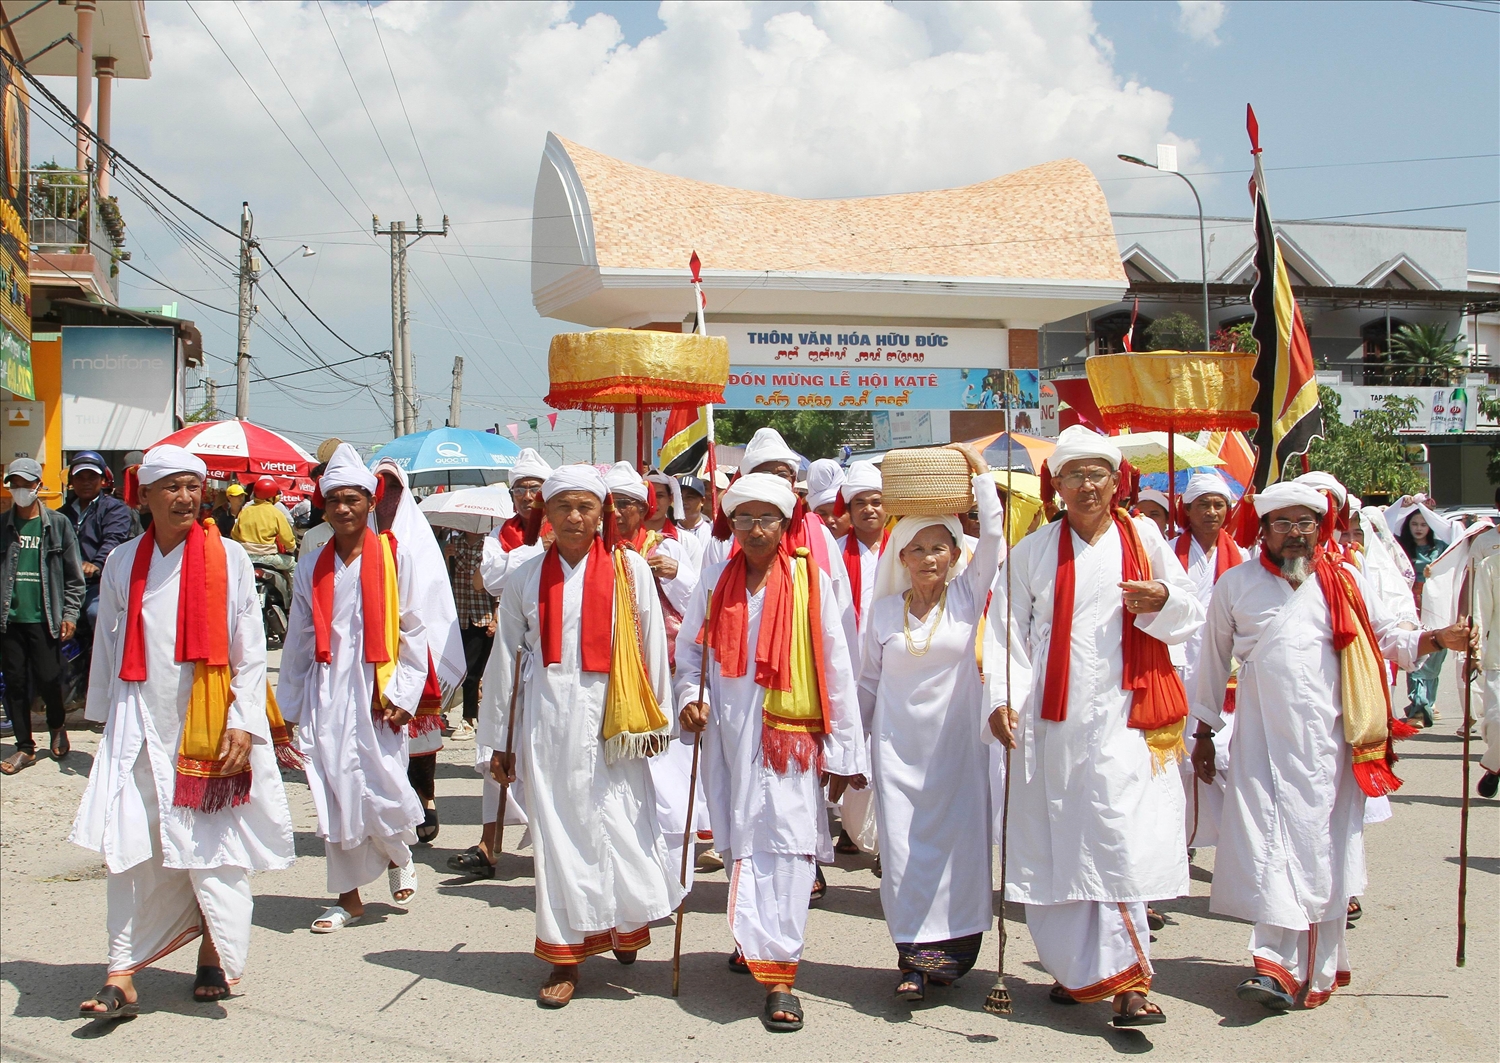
274 589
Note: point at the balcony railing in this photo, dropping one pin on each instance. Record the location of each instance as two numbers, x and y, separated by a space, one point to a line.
68 217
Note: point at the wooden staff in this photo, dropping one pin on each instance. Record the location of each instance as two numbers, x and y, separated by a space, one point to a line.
510 755
998 1000
1470 661
687 827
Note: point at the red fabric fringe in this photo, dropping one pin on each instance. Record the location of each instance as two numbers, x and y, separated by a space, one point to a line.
615 393
780 749
424 722
289 758
211 795
1154 419
1375 778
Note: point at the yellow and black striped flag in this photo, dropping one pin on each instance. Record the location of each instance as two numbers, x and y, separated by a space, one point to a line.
1287 403
685 440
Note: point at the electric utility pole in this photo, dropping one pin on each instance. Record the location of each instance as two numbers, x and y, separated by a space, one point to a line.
593 429
456 395
403 373
249 264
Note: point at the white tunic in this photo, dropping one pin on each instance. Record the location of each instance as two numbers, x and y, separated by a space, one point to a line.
598 847
1089 819
113 818
356 767
496 562
719 549
869 561
1291 842
752 808
926 716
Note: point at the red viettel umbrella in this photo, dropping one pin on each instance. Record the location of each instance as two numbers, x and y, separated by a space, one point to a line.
242 447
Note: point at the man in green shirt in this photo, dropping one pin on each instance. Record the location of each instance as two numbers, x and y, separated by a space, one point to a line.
41 593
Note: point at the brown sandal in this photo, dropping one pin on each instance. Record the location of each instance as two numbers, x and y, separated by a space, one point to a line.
16 761
558 989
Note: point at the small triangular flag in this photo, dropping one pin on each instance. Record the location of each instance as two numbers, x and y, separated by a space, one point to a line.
515 431
531 423
552 420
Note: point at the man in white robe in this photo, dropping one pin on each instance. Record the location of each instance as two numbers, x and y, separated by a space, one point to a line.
351 726
1487 614
695 520
602 869
1096 804
175 871
860 548
1206 550
644 521
825 478
1291 840
766 800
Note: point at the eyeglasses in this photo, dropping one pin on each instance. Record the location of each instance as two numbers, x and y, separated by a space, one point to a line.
744 524
1302 527
1073 481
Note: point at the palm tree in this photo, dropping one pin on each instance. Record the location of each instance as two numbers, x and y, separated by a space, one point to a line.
1426 356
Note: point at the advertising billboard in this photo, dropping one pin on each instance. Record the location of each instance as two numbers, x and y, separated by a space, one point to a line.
118 386
15 283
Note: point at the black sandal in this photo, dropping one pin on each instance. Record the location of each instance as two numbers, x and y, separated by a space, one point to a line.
845 844
115 1005
820 888
471 862
625 958
1265 991
1124 1019
787 1004
737 963
1154 919
1355 911
915 979
210 978
427 830
1059 994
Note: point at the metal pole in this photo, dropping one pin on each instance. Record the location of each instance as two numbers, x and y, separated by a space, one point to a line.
396 406
408 374
247 280
456 396
1203 261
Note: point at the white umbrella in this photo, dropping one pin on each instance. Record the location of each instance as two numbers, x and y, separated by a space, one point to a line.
472 509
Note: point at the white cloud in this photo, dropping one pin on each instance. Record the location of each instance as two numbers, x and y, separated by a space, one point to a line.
1201 19
825 99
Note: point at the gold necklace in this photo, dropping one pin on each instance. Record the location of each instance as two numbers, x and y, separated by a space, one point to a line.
911 645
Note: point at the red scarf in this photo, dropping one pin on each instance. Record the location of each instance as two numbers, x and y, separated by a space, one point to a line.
596 629
202 596
1159 698
855 569
512 533
1227 557
372 599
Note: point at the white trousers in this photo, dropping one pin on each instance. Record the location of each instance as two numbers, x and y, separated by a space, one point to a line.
1313 959
1095 949
349 869
1489 722
857 815
515 809
155 910
768 896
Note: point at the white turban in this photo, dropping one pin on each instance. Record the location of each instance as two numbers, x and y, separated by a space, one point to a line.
1077 442
656 476
891 576
574 478
760 487
1151 494
767 445
169 460
1286 494
1206 483
862 476
824 478
530 466
624 482
1325 482
345 469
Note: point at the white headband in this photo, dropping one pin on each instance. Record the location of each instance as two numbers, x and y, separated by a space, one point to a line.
168 460
574 478
345 469
824 478
861 476
530 466
760 487
1077 442
1285 495
624 482
1206 483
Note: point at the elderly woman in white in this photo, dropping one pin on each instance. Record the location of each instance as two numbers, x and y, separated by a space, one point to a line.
922 696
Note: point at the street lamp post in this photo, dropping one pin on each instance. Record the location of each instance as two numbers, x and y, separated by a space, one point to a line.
1202 244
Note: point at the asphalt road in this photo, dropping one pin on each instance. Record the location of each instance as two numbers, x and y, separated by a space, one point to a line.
455 978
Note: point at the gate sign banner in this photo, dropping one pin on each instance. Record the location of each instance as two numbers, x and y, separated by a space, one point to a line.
865 346
759 387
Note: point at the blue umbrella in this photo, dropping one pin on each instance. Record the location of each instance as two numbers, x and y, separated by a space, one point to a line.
451 456
1158 481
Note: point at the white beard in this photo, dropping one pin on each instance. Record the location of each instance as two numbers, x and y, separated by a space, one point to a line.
1296 570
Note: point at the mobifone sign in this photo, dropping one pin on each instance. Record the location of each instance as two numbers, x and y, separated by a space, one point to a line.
118 386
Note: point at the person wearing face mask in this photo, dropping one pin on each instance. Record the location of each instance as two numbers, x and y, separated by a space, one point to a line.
41 593
922 699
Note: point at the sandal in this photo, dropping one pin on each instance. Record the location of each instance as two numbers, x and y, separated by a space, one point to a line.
115 1005
558 989
337 918
210 978
1355 911
786 1004
427 830
1059 994
1155 920
1148 1014
1265 991
820 888
61 747
16 762
737 963
911 988
471 862
402 880
845 844
625 958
